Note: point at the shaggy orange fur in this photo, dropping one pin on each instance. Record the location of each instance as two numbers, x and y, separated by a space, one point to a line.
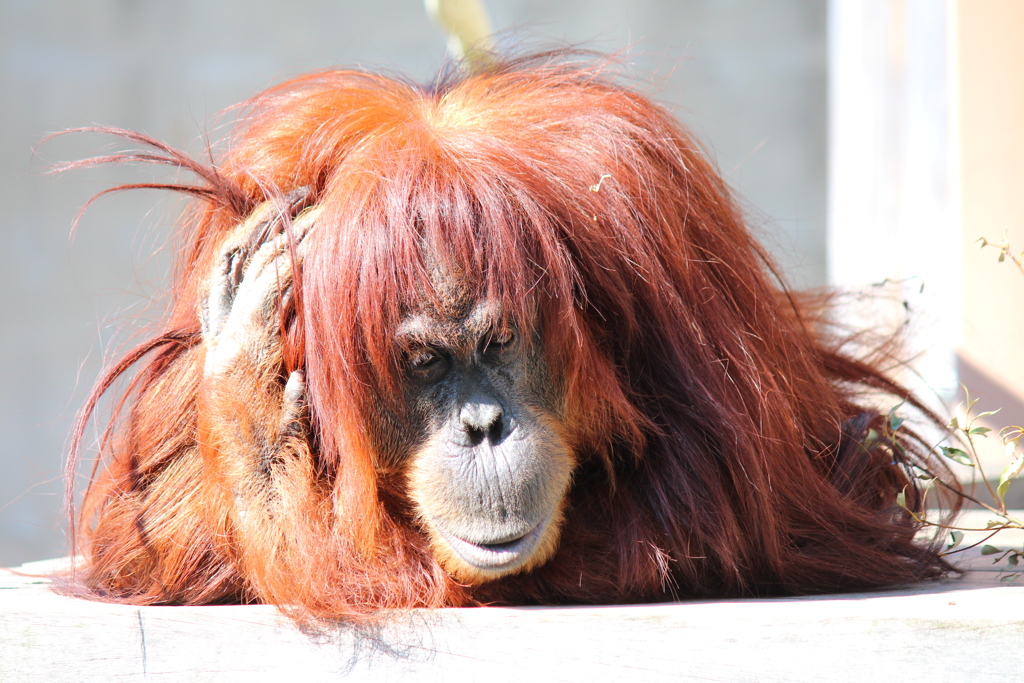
718 439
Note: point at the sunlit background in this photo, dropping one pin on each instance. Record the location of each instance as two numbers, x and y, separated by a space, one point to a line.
868 139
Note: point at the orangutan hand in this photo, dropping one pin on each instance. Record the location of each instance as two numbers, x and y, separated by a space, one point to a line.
250 284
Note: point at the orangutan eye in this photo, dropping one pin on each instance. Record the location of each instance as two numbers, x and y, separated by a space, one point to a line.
496 345
428 365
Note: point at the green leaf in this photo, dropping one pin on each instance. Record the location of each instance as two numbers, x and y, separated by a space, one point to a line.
954 539
957 455
895 421
980 430
986 413
901 499
1014 469
872 437
954 423
990 550
1011 472
1012 560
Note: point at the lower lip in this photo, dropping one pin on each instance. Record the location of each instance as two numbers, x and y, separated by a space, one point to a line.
498 556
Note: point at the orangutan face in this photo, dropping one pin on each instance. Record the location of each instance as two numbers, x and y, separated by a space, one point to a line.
490 474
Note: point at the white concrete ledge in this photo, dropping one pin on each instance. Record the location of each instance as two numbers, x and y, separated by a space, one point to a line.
965 629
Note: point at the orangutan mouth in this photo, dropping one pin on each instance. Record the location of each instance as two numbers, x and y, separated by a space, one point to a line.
501 556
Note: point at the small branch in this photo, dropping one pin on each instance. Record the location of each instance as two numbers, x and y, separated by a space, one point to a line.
973 545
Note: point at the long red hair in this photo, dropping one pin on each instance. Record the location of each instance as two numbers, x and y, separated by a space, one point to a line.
721 436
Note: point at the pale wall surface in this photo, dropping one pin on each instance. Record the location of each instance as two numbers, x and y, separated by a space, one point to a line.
991 107
748 76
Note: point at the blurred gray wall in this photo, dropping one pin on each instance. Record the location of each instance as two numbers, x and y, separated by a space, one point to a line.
747 76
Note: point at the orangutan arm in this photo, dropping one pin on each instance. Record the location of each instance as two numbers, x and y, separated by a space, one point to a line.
252 419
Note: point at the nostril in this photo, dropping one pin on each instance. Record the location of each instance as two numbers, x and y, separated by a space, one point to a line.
475 436
494 433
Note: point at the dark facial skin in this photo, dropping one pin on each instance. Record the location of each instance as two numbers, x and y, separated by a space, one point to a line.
491 473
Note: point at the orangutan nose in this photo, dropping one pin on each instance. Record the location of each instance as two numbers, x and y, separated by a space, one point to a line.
483 420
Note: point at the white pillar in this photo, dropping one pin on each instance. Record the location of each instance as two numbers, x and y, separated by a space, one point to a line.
892 195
